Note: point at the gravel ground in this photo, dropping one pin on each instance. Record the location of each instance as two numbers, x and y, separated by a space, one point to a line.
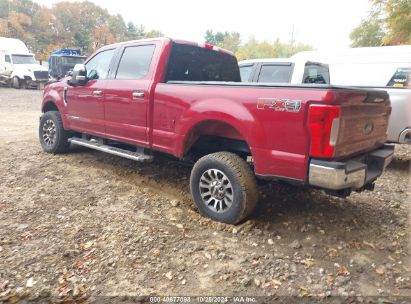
85 225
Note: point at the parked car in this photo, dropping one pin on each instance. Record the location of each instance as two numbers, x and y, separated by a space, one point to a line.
18 67
62 61
187 100
386 68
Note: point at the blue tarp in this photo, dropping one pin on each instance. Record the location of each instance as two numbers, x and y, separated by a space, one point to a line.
70 52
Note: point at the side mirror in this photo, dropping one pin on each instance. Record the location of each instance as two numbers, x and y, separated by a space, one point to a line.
79 75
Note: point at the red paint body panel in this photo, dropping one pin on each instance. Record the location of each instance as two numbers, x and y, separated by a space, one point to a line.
86 111
279 141
125 115
164 119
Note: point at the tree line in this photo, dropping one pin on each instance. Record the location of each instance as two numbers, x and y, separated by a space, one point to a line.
388 23
87 26
82 25
253 48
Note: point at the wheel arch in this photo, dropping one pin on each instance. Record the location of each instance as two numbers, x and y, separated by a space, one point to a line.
49 106
214 135
17 74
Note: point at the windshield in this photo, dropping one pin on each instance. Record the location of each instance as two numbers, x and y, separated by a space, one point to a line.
72 60
400 78
23 59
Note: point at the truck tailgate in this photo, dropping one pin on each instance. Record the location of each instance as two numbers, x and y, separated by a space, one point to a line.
363 122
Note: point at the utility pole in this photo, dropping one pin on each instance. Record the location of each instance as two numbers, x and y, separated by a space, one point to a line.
292 37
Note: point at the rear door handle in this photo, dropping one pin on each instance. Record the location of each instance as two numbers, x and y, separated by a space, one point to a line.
138 94
98 92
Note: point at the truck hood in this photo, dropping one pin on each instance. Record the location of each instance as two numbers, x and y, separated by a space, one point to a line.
28 67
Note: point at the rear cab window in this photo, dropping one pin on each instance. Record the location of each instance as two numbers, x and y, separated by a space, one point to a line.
315 72
400 78
193 63
276 73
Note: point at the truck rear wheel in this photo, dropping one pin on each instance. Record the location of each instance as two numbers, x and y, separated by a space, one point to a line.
223 187
53 137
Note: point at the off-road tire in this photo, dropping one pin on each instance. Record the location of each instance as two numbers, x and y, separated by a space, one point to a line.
242 181
60 142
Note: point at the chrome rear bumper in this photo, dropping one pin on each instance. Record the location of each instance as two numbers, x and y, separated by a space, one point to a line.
354 173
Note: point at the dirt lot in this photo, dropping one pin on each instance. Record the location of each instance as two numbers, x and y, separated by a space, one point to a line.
87 225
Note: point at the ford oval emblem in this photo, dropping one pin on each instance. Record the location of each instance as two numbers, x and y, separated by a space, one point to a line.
368 127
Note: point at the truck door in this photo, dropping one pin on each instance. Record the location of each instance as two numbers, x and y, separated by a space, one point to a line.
127 94
85 103
8 66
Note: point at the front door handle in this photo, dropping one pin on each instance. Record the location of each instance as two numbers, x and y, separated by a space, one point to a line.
138 94
98 92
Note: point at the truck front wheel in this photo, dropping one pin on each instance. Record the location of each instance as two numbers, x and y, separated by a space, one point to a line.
53 137
15 82
223 187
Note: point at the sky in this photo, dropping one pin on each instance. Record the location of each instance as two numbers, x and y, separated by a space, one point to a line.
324 24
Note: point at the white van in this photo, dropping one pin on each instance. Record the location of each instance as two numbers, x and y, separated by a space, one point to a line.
18 67
387 68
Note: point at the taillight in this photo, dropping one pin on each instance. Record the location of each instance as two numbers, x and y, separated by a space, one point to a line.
324 125
208 46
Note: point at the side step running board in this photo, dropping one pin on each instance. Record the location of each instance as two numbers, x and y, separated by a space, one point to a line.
141 157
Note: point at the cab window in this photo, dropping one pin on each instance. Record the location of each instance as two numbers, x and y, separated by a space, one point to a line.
316 73
245 72
99 66
193 63
400 78
7 58
135 62
277 73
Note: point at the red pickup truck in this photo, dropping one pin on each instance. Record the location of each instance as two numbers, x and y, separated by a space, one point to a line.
187 100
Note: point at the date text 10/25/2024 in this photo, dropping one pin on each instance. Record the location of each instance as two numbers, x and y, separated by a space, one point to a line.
202 299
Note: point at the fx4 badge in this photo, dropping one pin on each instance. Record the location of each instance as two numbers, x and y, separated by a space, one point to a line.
280 105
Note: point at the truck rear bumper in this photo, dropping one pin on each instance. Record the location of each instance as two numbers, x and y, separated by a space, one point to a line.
354 173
